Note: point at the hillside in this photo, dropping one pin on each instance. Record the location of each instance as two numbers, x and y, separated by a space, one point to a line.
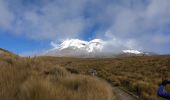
95 48
32 79
4 52
45 77
140 75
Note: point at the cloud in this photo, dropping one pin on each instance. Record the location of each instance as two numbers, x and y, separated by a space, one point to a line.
140 22
146 22
43 20
6 17
112 45
133 21
117 44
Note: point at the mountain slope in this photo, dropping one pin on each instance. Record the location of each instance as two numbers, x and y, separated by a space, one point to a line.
78 48
90 46
4 52
93 48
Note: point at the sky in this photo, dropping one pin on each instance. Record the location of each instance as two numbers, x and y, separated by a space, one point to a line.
30 26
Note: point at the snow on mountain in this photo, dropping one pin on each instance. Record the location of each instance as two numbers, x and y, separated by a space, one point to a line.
132 51
76 47
95 45
73 43
91 46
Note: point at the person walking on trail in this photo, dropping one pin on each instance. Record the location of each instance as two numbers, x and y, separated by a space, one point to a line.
93 72
161 92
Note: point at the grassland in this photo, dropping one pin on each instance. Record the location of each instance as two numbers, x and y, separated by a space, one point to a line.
52 78
34 79
140 75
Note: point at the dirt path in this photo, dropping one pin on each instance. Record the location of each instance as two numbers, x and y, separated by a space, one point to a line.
122 95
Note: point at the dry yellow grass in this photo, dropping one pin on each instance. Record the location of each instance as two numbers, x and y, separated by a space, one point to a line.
34 79
28 78
140 75
68 88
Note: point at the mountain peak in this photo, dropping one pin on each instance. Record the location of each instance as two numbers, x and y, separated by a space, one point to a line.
74 43
93 48
132 51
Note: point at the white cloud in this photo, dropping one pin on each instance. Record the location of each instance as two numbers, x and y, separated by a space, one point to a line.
148 25
6 17
140 22
116 44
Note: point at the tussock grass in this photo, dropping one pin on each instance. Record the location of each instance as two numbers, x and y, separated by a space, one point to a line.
140 75
35 79
68 88
48 78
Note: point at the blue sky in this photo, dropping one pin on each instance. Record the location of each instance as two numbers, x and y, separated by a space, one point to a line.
22 44
29 26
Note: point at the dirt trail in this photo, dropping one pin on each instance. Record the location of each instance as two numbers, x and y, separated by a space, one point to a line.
122 95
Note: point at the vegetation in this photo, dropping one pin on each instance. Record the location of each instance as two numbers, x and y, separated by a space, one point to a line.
4 52
52 78
140 75
34 79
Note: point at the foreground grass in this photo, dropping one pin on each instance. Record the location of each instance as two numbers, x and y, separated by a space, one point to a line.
140 75
35 79
41 78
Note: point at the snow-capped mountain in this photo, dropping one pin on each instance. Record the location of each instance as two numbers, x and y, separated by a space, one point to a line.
80 48
132 51
91 46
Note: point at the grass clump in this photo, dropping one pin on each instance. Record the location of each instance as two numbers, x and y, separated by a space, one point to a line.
140 75
34 79
67 88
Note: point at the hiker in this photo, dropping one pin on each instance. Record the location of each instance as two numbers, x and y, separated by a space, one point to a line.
93 72
161 92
